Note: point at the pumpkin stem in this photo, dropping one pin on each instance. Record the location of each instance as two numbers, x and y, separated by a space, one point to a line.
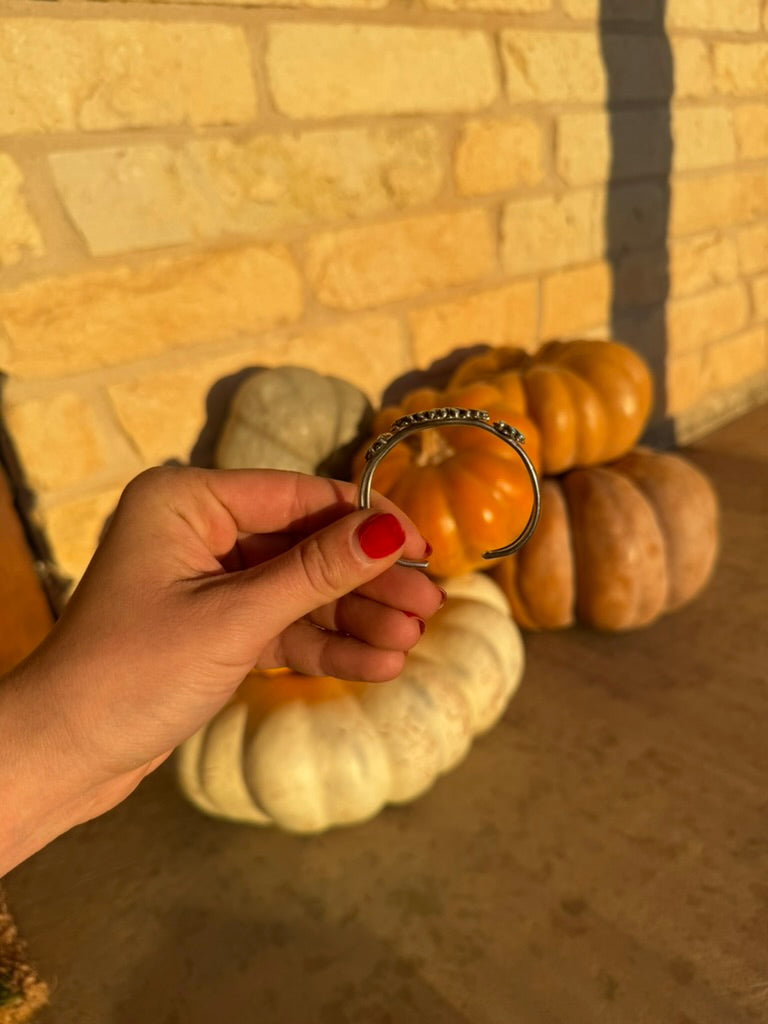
433 448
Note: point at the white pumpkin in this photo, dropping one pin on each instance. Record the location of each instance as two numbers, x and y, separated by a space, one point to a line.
307 754
295 419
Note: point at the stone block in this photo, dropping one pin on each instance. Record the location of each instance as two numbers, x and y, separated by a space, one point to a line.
58 326
736 359
694 69
741 69
697 377
752 244
701 263
635 216
575 300
86 75
368 351
684 381
714 15
751 198
760 297
751 124
144 196
704 137
497 155
607 10
163 411
326 71
497 316
19 235
60 440
697 321
367 266
555 66
73 529
550 232
641 278
593 147
704 202
684 267
500 6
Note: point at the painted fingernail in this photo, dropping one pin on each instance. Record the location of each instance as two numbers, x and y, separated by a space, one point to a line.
421 622
443 597
380 535
427 549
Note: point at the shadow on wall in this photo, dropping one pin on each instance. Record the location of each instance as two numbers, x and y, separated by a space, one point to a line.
639 94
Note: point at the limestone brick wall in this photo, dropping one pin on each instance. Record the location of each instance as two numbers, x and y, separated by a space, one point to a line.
361 186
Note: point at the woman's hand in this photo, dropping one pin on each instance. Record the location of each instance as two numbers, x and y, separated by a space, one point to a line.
201 576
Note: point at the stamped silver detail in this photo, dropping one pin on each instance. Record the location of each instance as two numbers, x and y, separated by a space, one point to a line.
452 416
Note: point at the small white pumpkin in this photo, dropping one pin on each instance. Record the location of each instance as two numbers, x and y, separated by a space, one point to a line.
295 419
309 753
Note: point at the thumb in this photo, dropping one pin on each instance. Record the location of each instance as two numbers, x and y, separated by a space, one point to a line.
328 564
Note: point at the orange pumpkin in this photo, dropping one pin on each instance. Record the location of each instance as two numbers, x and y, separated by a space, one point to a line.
466 490
589 399
616 546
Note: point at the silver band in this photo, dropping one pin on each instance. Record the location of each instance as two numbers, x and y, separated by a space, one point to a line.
443 417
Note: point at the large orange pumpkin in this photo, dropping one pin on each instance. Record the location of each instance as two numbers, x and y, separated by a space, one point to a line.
466 490
616 545
589 399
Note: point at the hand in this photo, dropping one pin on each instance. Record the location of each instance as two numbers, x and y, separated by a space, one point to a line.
201 576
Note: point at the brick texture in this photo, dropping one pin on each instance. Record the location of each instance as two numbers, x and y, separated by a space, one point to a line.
322 71
61 441
59 326
502 6
752 243
712 15
142 197
751 126
499 316
576 300
593 147
557 66
704 137
19 236
697 321
88 75
546 233
498 155
741 69
694 70
365 267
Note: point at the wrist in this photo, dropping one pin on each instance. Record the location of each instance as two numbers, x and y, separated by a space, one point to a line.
46 786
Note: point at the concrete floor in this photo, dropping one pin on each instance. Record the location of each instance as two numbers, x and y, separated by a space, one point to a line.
602 856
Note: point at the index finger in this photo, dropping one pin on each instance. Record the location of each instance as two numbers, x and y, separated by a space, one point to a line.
273 500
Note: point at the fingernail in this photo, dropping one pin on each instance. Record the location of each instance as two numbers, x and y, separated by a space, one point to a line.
421 622
427 549
443 597
381 535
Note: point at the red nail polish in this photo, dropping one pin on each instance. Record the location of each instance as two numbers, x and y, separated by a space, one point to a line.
381 535
421 622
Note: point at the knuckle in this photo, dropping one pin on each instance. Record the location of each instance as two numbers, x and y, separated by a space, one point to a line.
321 570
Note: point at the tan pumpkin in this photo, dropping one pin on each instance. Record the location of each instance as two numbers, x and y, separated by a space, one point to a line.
466 490
293 418
309 753
616 546
590 400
